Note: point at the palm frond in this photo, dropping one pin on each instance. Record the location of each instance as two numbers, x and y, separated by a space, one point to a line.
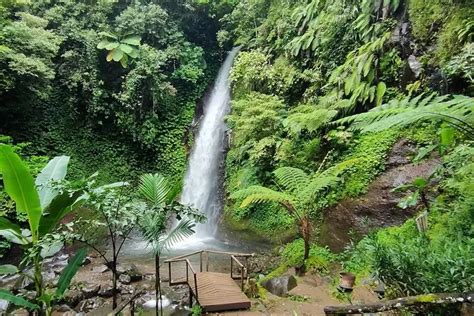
257 195
456 110
154 188
292 179
183 230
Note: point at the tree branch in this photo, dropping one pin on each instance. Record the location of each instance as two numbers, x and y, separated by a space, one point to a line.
403 302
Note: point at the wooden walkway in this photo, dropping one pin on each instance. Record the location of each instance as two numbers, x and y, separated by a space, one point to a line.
218 292
214 291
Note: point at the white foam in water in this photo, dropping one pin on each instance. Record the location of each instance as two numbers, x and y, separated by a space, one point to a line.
152 303
201 183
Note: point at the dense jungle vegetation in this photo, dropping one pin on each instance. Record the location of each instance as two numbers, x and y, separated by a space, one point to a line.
321 92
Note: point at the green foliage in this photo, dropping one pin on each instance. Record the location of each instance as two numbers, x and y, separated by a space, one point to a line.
159 196
45 204
120 48
461 66
20 186
196 310
439 260
357 76
254 71
456 110
256 123
26 56
319 257
448 24
298 193
69 271
16 300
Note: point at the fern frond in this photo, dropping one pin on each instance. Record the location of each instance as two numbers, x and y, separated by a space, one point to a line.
310 121
456 110
292 179
257 195
317 184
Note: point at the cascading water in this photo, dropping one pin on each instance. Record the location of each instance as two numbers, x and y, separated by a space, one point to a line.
201 184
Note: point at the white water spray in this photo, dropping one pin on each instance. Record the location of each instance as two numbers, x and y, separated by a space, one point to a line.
201 184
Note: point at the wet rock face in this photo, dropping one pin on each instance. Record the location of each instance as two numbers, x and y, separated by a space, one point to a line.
353 218
280 285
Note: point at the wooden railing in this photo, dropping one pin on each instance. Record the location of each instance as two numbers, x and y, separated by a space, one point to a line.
184 258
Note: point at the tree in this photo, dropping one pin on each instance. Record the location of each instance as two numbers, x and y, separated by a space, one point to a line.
45 203
120 216
159 197
298 193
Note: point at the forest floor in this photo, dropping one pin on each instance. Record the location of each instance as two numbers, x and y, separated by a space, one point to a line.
309 298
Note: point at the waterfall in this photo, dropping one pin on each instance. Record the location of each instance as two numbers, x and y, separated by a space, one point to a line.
201 183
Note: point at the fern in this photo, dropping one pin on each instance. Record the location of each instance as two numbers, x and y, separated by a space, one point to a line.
456 110
257 195
317 184
308 118
292 179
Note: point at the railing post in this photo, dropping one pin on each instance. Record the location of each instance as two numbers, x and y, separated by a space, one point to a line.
132 308
196 287
187 272
207 261
231 267
169 272
200 260
190 297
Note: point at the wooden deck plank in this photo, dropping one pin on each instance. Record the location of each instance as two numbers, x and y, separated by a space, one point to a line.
218 292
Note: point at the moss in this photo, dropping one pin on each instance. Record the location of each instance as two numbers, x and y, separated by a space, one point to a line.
426 298
439 21
449 42
424 14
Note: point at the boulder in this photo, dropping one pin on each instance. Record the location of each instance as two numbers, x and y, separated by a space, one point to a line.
73 297
280 285
90 304
105 290
125 288
130 270
64 310
125 278
50 278
415 65
87 260
100 268
24 282
90 290
3 306
20 312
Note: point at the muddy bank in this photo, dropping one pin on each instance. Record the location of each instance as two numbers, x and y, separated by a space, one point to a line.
353 218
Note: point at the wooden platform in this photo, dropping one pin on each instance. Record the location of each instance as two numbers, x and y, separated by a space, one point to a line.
213 291
218 292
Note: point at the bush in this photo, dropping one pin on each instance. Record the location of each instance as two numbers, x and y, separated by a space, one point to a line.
319 257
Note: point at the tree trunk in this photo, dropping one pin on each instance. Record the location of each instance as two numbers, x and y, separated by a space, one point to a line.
402 303
157 283
306 233
38 280
114 283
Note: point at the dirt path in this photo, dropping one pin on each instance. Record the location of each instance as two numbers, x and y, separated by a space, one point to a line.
316 292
